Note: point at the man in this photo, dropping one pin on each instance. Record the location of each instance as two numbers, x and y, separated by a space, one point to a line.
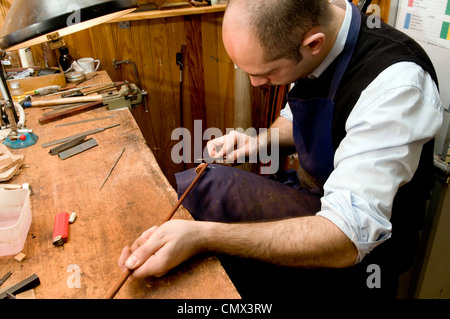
361 117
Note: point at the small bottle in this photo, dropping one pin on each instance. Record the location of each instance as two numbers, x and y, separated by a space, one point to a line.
16 91
11 60
26 57
65 59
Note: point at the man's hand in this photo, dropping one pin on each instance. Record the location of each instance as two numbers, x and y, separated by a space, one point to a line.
159 249
233 147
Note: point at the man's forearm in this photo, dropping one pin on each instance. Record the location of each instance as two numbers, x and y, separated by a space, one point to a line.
298 242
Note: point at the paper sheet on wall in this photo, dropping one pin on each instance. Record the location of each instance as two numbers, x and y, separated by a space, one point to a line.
426 21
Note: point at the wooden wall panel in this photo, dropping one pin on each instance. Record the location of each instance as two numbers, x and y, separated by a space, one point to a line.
152 45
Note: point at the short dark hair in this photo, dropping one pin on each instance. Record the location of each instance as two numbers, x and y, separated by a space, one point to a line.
280 25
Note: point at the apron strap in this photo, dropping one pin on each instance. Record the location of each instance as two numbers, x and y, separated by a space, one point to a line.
347 52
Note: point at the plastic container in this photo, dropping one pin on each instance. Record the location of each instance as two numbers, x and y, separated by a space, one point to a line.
15 220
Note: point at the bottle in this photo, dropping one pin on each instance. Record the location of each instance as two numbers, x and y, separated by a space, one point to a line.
65 59
16 91
11 60
26 57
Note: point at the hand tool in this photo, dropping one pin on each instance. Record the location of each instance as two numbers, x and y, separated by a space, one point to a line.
117 65
86 121
112 169
65 139
47 90
74 88
67 145
27 284
200 170
5 278
128 96
86 145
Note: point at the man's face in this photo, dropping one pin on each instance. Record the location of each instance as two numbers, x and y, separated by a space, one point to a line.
246 52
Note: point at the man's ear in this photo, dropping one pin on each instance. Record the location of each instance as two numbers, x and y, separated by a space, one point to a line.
313 42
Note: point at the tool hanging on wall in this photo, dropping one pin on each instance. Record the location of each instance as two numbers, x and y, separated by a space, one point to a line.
199 170
180 61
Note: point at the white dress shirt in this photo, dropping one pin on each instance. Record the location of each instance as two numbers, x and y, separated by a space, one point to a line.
394 117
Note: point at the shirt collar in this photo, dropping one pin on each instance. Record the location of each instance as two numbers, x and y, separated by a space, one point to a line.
338 44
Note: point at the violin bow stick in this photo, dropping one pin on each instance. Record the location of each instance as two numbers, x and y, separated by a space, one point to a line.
199 170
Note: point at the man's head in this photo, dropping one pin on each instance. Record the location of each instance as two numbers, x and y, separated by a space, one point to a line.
270 38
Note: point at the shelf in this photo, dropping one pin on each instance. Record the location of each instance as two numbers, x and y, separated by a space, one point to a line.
155 14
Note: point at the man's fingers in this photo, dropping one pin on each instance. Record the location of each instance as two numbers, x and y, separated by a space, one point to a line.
145 251
126 252
153 266
222 146
143 238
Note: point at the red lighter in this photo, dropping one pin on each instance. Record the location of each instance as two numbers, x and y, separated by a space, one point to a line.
61 229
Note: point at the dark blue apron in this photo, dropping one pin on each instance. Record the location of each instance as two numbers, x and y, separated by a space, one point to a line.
232 195
313 118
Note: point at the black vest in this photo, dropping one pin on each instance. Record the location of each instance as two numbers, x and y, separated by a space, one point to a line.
376 50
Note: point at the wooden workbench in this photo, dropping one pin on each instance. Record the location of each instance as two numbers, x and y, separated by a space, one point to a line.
135 197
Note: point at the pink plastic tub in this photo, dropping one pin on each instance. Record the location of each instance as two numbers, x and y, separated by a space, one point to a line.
15 220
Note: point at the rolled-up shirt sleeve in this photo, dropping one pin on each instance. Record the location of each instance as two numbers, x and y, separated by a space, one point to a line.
386 130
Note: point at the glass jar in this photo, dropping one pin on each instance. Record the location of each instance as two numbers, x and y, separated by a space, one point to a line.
16 91
11 60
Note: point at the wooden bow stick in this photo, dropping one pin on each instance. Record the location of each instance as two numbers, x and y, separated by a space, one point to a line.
199 170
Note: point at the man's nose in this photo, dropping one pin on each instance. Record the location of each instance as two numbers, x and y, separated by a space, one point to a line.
259 80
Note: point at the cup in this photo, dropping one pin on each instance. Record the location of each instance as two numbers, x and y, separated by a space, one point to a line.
88 64
75 67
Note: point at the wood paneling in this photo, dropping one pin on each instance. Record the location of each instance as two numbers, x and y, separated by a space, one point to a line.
208 74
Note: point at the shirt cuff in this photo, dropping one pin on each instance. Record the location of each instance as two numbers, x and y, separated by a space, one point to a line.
365 228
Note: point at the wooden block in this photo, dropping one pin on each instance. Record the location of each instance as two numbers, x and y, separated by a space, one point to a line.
5 156
20 257
8 174
14 160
